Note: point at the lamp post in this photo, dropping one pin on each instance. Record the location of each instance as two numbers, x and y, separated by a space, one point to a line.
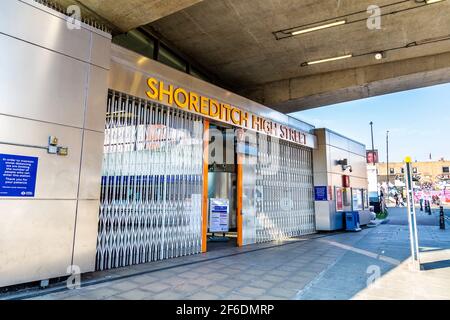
371 132
412 221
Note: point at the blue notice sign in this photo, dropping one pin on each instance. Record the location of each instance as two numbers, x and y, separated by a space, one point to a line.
17 175
321 193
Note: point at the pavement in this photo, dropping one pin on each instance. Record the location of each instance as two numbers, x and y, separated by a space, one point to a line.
378 267
371 264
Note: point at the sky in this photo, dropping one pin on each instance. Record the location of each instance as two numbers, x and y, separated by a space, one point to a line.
418 122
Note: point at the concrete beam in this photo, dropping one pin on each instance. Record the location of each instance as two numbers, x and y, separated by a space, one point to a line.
313 91
126 15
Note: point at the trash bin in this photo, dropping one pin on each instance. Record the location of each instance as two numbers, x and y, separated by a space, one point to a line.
376 206
352 221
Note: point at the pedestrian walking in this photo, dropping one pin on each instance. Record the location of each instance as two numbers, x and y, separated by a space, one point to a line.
401 202
396 199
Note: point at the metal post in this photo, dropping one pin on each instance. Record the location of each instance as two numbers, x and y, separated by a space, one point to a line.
387 164
412 216
373 145
441 218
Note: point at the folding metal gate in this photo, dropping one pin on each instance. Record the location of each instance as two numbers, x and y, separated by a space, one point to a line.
284 190
152 183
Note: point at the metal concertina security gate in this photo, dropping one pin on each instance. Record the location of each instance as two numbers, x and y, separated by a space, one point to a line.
151 191
284 190
151 186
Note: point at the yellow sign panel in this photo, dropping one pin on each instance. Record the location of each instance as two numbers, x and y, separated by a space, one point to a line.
212 108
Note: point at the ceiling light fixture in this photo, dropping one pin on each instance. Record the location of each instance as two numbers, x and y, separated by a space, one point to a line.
327 60
432 1
380 55
321 27
383 54
351 18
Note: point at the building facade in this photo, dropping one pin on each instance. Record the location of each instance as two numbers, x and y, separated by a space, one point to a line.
109 158
427 172
340 167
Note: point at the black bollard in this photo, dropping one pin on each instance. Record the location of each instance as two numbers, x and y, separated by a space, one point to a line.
441 218
428 208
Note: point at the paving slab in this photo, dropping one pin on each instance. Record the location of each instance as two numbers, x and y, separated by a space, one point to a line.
371 264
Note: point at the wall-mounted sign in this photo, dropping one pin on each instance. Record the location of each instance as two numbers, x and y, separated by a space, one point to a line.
219 210
17 175
372 156
321 193
212 108
346 181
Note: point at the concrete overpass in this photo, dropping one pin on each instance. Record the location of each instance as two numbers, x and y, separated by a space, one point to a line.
257 48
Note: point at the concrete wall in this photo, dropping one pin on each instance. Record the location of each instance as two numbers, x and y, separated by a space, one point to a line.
331 148
53 82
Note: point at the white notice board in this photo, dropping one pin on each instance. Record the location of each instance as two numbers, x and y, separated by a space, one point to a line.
219 211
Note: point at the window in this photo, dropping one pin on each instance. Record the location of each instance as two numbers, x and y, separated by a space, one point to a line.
171 59
366 201
403 170
357 199
446 169
391 170
196 73
136 41
146 44
415 170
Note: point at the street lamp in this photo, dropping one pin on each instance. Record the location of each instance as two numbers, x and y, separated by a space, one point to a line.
371 132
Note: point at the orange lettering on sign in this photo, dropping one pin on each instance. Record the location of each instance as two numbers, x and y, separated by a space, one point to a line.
181 103
194 102
183 99
163 92
214 108
204 105
153 92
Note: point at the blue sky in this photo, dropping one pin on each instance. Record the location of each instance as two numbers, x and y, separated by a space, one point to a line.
418 121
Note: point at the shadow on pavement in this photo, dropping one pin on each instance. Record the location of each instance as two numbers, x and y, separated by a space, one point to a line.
436 265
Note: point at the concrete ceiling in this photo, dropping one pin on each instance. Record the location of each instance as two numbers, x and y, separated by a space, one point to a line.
234 39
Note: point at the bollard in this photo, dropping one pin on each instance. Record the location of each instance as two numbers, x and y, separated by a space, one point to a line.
442 218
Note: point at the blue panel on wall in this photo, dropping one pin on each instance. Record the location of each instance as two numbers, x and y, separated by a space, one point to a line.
17 175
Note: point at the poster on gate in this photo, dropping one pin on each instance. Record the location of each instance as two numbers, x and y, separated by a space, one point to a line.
219 211
339 199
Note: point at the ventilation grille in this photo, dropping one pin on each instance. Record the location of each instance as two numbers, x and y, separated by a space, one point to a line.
63 10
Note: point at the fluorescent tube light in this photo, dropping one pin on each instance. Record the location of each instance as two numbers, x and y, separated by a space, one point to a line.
325 26
330 59
432 1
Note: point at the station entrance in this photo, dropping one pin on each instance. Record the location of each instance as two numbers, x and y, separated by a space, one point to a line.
222 188
161 198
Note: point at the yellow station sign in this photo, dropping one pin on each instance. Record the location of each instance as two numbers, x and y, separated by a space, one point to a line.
223 112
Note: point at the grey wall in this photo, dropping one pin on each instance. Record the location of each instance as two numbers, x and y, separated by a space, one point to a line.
333 147
53 81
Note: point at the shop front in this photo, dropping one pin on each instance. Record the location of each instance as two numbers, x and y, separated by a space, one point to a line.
340 177
189 167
